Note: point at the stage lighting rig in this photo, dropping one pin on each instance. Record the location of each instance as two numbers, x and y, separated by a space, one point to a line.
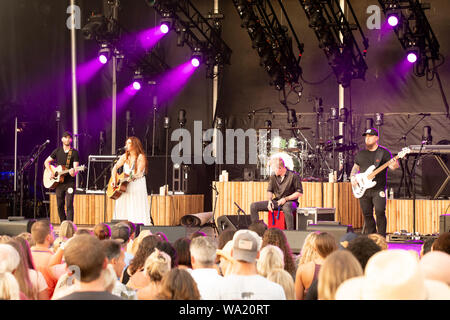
196 31
271 40
414 33
336 38
104 54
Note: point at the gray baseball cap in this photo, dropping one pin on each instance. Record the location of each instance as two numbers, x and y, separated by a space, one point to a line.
246 245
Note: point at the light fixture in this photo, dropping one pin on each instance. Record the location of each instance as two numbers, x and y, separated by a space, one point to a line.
412 54
196 58
165 23
393 19
104 54
137 80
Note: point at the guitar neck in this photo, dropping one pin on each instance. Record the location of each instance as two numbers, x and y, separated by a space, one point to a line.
377 171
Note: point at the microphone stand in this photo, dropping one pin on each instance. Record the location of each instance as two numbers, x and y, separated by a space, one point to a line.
239 214
35 159
404 178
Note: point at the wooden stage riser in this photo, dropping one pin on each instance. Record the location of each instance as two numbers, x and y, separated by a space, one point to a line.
334 195
166 210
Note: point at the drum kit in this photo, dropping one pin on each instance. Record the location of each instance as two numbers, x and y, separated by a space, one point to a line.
298 154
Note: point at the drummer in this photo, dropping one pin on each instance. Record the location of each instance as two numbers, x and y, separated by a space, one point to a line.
286 186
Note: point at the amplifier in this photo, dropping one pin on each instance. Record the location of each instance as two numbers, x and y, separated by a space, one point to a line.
444 223
307 216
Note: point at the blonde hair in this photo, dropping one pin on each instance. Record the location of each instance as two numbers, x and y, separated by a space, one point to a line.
137 241
9 261
157 265
337 267
271 257
67 229
308 252
285 280
109 278
379 240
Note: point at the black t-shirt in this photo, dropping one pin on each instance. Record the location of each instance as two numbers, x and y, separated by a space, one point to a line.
365 158
61 159
290 184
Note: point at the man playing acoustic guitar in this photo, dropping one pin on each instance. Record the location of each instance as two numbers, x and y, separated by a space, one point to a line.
67 157
374 196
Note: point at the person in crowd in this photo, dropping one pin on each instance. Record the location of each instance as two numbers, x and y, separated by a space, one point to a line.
244 282
379 240
178 284
226 261
442 243
325 244
43 236
21 273
284 279
168 248
116 259
181 246
36 277
135 271
392 275
9 260
133 231
121 232
156 267
102 231
87 254
270 258
67 230
339 266
203 256
197 234
363 248
307 253
276 237
224 237
27 236
137 241
435 265
426 246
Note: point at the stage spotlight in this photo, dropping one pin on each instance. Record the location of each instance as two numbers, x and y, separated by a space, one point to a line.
104 54
393 19
412 55
137 80
165 23
196 58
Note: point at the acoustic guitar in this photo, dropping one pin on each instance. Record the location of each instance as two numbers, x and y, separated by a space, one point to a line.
121 185
60 171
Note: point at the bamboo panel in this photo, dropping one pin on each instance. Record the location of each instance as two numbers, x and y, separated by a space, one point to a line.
400 214
166 210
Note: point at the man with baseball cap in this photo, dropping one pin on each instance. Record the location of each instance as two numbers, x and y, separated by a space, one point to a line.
67 157
244 282
374 197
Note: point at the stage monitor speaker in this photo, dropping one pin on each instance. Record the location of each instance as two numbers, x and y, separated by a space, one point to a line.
12 227
172 233
434 176
233 222
444 223
336 230
296 239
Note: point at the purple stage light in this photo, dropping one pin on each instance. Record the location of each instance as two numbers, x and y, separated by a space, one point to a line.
136 85
412 57
103 59
393 20
195 62
164 28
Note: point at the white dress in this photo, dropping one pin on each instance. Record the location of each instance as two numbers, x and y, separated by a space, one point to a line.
133 204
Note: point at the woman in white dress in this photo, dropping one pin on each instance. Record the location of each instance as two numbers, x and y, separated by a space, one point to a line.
133 204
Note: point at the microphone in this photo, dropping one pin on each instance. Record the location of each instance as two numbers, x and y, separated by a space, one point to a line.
121 150
424 114
44 144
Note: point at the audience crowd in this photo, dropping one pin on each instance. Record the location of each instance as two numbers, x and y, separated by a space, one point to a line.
118 262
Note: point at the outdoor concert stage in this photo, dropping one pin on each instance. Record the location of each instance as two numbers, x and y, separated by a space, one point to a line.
168 210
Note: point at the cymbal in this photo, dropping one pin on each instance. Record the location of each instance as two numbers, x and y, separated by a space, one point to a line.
270 128
299 128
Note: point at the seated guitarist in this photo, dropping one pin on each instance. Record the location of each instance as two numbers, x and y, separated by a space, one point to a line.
68 157
376 196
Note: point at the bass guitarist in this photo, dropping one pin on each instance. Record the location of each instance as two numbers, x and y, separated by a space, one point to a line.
68 157
374 197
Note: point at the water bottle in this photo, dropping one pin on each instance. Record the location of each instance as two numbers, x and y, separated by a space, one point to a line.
391 193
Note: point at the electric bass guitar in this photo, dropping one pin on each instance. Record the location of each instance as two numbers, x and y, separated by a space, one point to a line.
114 192
51 182
365 179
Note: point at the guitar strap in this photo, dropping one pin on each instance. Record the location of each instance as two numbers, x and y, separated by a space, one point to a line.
69 156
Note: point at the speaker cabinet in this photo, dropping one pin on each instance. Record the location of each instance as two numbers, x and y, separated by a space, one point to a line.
296 239
15 227
172 233
338 231
233 222
434 176
444 223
